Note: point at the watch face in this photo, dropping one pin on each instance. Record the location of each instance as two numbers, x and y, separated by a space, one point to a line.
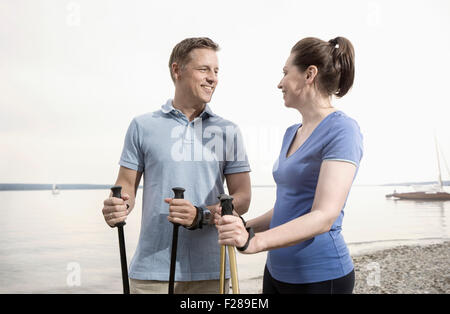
206 215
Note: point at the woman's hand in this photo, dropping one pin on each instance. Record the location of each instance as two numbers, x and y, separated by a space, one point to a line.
232 232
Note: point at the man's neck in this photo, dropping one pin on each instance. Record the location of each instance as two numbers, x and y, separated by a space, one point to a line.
189 108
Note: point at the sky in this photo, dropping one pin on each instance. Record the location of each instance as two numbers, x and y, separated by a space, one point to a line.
73 74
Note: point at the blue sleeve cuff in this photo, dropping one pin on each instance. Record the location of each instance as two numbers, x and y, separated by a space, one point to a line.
131 166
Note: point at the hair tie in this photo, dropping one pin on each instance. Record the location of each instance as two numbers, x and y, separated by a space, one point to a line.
334 43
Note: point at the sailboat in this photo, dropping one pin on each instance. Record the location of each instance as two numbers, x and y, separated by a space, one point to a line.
434 192
55 189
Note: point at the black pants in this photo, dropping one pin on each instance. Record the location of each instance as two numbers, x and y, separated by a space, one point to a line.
342 285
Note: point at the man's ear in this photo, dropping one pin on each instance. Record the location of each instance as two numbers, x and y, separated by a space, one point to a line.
176 71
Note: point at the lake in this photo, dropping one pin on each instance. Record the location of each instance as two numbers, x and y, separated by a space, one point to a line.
61 244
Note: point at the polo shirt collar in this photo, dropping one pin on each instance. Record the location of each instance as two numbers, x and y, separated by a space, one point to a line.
168 107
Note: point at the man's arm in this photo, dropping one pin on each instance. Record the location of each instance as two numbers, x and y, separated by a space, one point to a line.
239 187
129 180
115 210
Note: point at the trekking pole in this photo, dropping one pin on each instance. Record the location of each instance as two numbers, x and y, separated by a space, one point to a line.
117 192
179 193
227 209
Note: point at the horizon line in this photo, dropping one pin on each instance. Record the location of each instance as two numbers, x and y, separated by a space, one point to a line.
88 186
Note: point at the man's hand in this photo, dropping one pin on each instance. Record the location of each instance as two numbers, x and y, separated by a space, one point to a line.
181 211
115 210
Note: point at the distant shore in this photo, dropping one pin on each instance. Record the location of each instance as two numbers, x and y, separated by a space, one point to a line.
405 269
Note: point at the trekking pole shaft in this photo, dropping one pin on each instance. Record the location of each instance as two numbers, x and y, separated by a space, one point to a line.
222 269
117 192
173 258
123 261
233 269
227 209
179 194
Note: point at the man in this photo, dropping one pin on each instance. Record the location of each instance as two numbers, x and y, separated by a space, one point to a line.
184 144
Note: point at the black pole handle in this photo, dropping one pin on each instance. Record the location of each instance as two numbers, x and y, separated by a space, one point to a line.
117 192
226 202
179 194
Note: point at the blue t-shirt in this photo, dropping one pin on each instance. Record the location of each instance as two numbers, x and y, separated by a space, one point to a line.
196 155
324 257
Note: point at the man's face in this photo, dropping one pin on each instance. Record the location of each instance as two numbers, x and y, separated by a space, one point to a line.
198 79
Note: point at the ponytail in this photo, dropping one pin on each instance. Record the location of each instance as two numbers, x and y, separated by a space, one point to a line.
334 60
343 56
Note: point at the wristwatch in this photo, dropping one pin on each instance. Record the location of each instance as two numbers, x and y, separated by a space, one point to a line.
207 216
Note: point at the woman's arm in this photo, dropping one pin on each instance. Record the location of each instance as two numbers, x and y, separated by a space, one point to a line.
335 180
261 223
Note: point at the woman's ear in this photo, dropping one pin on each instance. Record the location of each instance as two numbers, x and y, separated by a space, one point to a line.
311 73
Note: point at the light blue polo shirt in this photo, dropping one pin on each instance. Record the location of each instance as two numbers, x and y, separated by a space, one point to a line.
173 152
325 256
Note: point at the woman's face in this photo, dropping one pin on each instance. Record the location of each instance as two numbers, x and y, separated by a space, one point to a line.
292 84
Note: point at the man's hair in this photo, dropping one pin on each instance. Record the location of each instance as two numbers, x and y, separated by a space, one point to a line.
180 53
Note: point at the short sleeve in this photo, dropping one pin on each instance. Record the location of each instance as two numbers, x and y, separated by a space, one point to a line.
344 142
132 156
236 160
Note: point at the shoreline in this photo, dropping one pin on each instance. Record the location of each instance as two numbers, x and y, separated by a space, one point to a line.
420 267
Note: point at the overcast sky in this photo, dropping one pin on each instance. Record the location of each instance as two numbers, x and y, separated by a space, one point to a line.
73 74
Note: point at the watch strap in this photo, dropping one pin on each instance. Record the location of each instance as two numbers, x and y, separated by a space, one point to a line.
197 223
251 234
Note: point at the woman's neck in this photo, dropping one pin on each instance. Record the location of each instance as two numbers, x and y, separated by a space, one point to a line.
315 111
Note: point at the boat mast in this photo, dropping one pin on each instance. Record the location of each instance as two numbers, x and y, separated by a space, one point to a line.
439 164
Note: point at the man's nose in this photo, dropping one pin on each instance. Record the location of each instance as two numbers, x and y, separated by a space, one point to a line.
211 78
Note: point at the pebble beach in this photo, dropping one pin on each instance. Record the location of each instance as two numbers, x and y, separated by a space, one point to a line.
406 269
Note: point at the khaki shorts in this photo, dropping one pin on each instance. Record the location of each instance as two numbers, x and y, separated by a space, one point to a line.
180 287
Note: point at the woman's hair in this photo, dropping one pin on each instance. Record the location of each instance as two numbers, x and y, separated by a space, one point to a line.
180 52
334 60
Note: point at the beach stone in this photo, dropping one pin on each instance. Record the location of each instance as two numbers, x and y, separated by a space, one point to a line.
404 269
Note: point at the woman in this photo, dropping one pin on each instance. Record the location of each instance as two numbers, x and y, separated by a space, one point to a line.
318 161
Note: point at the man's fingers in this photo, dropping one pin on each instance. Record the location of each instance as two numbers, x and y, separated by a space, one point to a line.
113 201
178 215
113 222
179 202
179 209
114 215
114 209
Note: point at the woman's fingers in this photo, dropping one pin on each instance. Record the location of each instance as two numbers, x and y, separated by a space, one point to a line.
231 231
